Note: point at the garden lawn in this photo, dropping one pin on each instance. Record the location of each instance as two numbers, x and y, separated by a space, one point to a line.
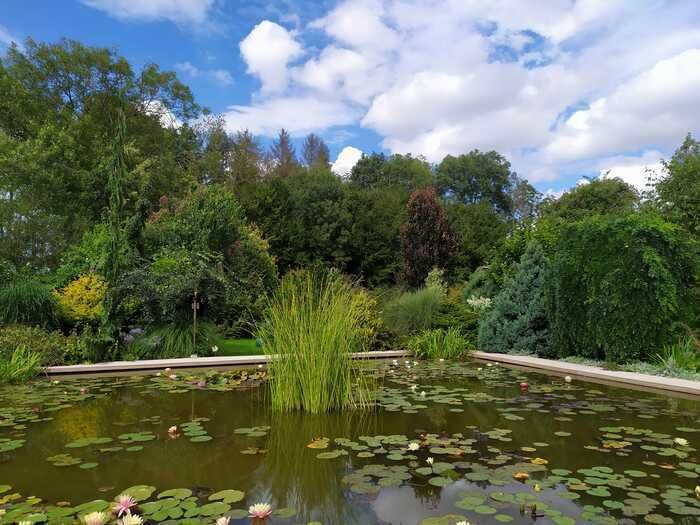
240 347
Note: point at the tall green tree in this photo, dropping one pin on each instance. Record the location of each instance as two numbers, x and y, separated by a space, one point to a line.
283 156
314 151
597 197
678 192
476 177
427 241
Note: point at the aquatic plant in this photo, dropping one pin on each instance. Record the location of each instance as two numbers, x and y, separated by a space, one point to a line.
174 340
123 504
22 366
260 511
439 344
96 518
131 519
309 330
682 355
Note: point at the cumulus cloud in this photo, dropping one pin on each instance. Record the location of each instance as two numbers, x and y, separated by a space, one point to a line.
298 115
556 87
183 12
345 161
267 50
638 171
220 76
656 107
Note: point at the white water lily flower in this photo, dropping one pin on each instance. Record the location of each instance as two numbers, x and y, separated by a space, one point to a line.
260 511
23 522
172 376
96 518
681 442
214 348
223 520
430 461
131 519
413 446
422 394
697 491
567 379
415 363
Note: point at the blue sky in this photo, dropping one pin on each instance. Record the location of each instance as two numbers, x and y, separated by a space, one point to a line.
562 88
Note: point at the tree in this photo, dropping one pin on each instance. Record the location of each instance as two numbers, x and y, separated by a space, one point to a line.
426 239
525 200
367 172
517 322
283 156
245 160
57 102
478 231
314 151
598 197
620 286
476 177
401 171
678 193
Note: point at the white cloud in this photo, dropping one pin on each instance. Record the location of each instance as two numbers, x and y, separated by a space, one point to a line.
432 78
347 158
183 12
298 115
634 170
267 50
658 106
220 76
167 118
7 38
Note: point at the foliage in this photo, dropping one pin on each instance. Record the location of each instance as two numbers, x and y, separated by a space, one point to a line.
309 330
174 340
376 171
366 309
283 157
682 355
86 256
597 197
22 366
436 279
413 311
677 194
51 346
24 300
517 323
480 304
479 230
476 177
83 298
439 343
619 285
7 272
426 239
314 151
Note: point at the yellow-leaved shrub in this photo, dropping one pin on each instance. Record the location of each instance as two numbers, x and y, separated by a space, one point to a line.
83 298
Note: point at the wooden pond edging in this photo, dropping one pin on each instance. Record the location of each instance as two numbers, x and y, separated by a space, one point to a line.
190 362
634 379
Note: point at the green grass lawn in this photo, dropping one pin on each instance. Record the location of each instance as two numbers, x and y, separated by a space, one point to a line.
240 347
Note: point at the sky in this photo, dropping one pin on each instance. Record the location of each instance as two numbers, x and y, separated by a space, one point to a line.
564 89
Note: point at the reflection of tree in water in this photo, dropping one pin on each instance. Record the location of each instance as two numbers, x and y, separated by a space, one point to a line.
427 494
296 478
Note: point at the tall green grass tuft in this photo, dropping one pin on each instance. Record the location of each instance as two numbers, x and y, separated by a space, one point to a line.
439 344
309 330
682 355
22 365
412 312
23 301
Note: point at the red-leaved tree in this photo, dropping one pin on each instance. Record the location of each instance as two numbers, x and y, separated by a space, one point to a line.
426 239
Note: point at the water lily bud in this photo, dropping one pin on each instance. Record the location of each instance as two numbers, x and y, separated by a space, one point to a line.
567 379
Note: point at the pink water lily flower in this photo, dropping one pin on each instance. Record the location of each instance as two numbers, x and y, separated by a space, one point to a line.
124 504
260 511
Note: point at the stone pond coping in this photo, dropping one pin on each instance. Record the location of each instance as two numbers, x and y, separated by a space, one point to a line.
189 362
631 379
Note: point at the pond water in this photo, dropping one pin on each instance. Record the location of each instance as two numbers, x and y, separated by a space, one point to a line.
558 453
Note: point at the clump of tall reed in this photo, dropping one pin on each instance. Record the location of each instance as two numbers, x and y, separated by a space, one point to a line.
21 366
309 331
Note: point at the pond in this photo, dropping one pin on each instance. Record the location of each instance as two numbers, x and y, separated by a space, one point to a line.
449 442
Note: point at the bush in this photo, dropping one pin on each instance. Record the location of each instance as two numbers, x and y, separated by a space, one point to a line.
517 322
440 343
619 286
412 312
369 317
83 298
51 346
7 272
22 366
310 329
174 340
26 301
